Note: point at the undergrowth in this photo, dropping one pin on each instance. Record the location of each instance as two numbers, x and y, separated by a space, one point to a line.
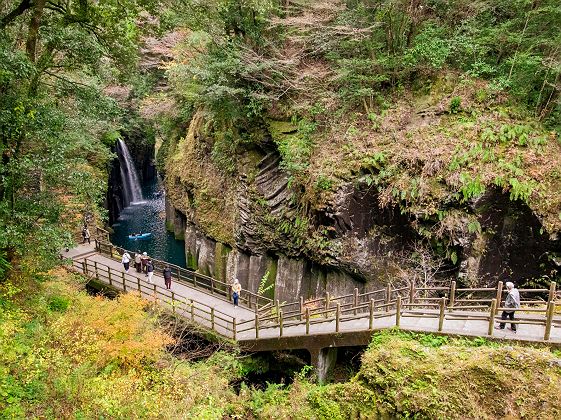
64 354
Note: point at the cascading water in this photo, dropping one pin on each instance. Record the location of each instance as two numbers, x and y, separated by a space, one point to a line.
131 185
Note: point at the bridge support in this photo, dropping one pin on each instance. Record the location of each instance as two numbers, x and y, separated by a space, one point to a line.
323 361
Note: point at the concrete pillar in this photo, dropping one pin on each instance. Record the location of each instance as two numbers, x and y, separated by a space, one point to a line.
323 361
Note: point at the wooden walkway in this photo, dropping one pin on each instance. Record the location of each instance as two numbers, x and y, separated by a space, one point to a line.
260 324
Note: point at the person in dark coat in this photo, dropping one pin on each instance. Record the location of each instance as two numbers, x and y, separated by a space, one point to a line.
167 277
86 234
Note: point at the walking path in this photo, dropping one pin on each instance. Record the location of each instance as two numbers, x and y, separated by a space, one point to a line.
220 304
271 330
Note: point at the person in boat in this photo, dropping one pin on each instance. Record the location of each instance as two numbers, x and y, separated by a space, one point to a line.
138 261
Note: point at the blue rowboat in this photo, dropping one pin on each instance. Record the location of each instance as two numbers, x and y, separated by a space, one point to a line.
140 236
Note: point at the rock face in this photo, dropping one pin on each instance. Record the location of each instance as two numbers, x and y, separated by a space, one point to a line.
512 243
292 249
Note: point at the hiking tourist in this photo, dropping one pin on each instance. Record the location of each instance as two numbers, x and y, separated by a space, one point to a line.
512 301
167 277
236 290
149 270
138 261
143 260
125 259
86 234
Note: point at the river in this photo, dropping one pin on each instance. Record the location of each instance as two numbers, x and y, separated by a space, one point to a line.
148 215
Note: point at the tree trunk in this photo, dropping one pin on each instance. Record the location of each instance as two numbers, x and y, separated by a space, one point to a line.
33 33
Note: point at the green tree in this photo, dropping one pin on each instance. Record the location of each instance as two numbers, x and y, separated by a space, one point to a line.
56 57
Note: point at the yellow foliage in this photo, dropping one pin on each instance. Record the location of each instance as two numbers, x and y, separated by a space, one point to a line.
110 331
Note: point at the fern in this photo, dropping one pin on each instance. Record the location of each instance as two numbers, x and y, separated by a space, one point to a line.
263 287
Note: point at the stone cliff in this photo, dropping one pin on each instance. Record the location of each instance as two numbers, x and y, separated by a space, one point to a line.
254 222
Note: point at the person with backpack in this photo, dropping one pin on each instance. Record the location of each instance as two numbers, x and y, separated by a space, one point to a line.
167 277
149 270
125 259
86 234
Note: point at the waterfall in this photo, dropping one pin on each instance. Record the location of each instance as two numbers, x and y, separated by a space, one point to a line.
129 176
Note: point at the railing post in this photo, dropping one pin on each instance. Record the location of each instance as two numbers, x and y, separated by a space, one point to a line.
211 285
412 293
398 311
84 267
499 294
327 298
138 286
301 306
549 318
234 327
111 251
388 297
338 317
124 283
307 321
371 317
492 316
280 322
95 269
109 274
278 310
194 280
173 302
249 301
212 319
256 325
355 299
452 295
552 287
192 310
441 313
155 294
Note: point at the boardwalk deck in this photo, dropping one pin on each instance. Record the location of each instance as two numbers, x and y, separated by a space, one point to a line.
321 331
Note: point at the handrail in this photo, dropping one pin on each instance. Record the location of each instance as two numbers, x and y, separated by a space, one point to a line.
184 275
220 322
336 310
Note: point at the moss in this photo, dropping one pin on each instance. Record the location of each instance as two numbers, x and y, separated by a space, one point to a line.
221 252
418 375
272 270
192 262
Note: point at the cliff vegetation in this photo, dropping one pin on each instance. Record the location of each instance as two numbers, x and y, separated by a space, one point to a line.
445 113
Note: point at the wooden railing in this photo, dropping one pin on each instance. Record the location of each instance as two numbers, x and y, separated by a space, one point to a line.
196 311
201 282
452 304
395 303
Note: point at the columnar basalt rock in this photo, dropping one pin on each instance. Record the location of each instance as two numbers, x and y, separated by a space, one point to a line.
351 240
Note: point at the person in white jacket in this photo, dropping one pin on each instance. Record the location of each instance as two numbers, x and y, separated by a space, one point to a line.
126 259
